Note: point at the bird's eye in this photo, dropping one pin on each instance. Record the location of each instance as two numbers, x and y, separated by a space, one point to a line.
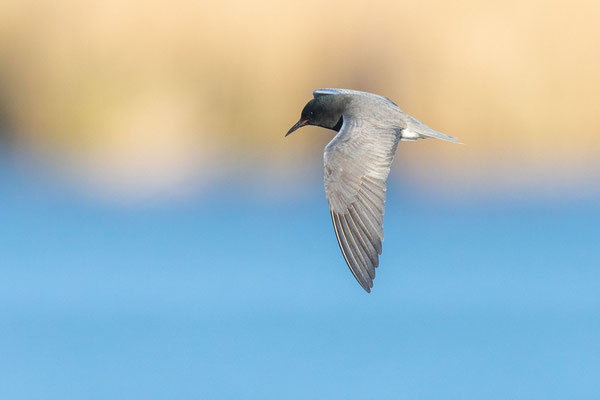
312 113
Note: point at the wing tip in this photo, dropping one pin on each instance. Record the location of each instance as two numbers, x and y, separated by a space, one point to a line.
324 92
366 282
367 287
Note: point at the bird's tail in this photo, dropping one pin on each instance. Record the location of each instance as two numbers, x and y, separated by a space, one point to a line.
417 130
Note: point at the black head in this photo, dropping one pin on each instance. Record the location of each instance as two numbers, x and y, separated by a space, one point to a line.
324 111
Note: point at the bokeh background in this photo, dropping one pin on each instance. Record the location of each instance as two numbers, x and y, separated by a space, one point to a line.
159 237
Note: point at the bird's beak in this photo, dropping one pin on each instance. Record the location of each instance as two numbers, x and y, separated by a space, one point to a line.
298 124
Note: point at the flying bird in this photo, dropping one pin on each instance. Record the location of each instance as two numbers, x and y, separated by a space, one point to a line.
357 163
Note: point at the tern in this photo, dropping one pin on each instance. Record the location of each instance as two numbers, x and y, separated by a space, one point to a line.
357 163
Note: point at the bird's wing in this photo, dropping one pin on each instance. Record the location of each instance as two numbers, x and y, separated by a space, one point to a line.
357 163
328 91
325 92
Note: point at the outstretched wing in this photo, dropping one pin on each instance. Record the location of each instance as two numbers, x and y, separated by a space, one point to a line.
328 91
325 92
357 163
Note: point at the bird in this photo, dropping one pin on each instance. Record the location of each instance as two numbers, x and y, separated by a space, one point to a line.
357 163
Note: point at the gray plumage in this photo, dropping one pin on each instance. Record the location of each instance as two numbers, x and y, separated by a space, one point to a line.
357 163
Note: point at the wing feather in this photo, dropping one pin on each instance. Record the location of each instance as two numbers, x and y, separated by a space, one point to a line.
362 260
357 163
362 237
368 227
359 273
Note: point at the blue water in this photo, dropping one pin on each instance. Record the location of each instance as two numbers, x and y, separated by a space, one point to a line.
235 295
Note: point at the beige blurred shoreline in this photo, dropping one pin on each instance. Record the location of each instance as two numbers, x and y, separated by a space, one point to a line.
142 96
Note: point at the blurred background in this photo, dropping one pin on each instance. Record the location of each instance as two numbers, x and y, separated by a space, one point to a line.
160 238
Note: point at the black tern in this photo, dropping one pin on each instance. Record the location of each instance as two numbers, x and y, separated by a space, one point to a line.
357 163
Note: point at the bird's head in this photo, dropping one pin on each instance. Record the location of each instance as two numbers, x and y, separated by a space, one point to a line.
324 111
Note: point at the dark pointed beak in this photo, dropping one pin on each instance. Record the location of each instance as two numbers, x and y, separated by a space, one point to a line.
298 124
